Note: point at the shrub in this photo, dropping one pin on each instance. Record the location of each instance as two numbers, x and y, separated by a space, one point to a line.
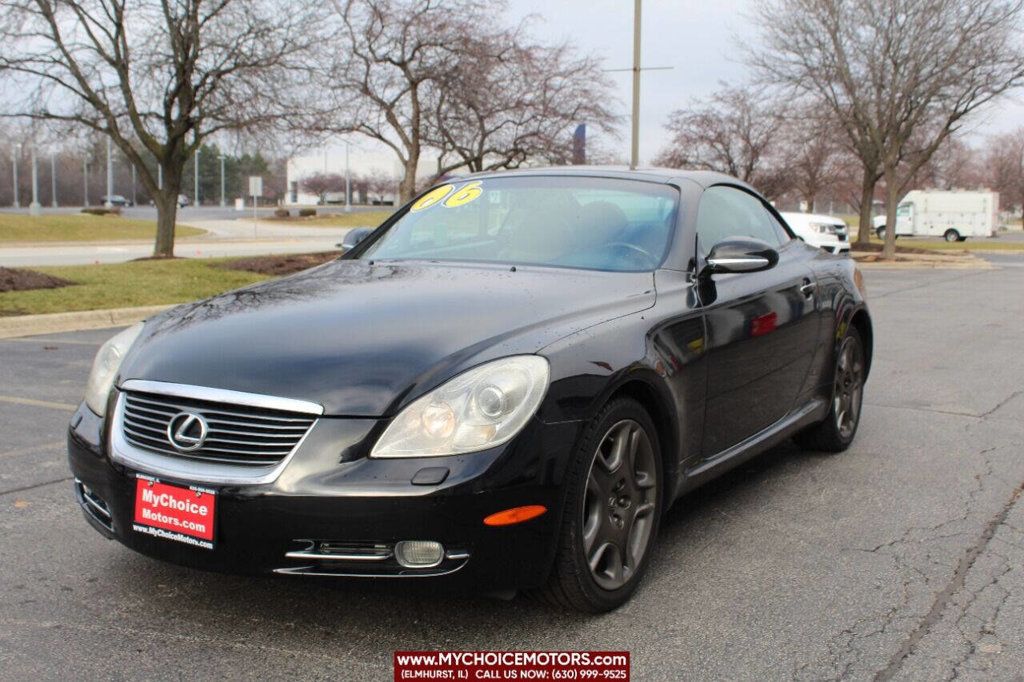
281 213
307 212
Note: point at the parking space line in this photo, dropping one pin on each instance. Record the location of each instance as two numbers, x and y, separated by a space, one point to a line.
14 400
29 449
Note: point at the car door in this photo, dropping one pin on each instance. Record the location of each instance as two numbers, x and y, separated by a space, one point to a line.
762 327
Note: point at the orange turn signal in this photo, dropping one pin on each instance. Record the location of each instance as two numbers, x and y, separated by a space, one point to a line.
515 515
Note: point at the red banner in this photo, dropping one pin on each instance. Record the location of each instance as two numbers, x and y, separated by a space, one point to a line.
511 665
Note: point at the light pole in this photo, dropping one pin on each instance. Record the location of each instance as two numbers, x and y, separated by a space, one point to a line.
195 177
634 157
33 208
53 178
15 156
85 180
222 204
110 176
134 202
348 182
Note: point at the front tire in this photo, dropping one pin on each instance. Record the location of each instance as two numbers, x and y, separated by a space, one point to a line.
613 508
836 432
952 236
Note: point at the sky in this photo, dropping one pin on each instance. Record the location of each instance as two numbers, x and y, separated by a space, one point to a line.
698 38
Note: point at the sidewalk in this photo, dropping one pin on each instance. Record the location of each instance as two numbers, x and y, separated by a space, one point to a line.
226 238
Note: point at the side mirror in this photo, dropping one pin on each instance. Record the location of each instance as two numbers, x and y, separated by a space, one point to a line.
355 236
740 254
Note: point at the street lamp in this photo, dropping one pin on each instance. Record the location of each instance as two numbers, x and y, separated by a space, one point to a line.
195 178
34 208
85 179
110 176
15 155
53 178
222 203
348 183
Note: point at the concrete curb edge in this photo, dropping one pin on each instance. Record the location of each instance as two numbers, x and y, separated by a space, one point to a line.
30 325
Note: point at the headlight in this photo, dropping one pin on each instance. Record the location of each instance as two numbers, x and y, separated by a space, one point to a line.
105 366
823 228
479 409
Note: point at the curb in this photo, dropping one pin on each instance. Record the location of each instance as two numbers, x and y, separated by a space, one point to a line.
30 325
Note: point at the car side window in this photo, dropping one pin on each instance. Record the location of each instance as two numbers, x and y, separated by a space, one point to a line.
781 232
730 212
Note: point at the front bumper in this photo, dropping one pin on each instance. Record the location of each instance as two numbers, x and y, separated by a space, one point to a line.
359 506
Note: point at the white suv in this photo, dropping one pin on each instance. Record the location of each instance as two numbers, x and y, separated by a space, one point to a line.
826 232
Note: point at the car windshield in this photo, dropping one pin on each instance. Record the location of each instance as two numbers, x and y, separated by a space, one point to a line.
576 222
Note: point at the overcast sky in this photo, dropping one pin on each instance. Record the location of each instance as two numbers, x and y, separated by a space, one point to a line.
695 37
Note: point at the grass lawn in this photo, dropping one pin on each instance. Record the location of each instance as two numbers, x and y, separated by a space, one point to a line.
123 285
78 227
354 219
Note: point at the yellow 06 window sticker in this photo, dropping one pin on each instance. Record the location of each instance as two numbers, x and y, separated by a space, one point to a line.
464 195
432 197
452 198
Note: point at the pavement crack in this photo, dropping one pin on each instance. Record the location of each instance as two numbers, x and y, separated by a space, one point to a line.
35 485
954 585
1001 404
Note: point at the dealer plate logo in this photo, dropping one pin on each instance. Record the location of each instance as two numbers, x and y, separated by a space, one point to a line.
187 431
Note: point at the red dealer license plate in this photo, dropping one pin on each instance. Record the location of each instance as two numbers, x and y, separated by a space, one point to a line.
174 512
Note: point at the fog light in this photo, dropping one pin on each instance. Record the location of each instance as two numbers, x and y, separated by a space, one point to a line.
419 553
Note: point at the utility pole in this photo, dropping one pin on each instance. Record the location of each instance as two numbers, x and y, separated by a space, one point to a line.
348 182
15 156
134 202
195 178
85 180
222 203
110 176
33 208
53 178
634 157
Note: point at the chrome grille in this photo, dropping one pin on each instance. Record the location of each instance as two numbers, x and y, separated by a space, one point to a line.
238 434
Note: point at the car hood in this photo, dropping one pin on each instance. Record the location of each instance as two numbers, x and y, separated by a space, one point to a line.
361 339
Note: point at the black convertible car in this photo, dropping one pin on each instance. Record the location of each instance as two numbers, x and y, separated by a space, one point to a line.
504 386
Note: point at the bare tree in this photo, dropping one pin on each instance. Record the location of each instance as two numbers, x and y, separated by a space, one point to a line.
511 100
156 77
379 185
811 154
888 71
1005 160
322 184
393 53
735 131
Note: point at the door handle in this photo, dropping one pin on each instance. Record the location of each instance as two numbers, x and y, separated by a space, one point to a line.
808 287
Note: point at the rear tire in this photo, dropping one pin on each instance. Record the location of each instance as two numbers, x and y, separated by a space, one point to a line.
952 236
837 430
880 232
613 506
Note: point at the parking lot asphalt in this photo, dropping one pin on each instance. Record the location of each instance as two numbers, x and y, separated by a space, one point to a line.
902 558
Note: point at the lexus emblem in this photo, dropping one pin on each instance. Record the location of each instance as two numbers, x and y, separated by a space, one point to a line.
187 431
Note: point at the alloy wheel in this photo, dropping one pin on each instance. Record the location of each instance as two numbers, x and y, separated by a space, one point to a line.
619 505
848 388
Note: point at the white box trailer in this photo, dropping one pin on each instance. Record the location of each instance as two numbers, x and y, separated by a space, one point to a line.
953 215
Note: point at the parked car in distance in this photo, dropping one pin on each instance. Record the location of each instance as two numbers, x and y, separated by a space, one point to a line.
825 232
116 200
953 215
504 386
